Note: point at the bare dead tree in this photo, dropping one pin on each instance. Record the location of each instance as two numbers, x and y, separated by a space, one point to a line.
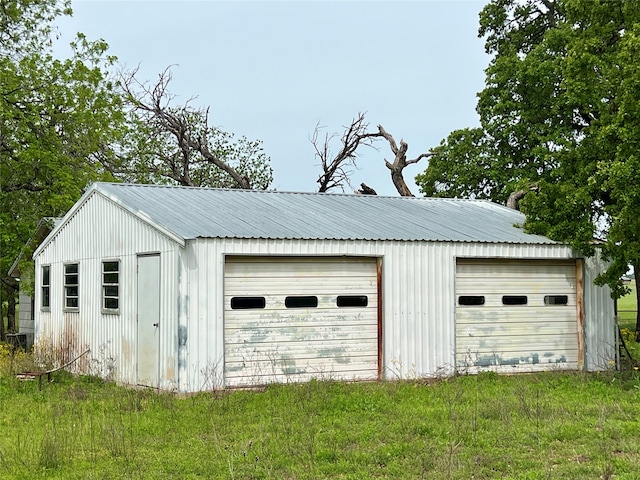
336 169
188 126
400 162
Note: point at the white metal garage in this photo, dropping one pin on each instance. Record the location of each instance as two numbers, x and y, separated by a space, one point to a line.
518 315
258 287
291 319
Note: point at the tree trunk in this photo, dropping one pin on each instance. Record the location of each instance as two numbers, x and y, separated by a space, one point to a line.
3 293
514 198
11 312
400 162
636 266
8 293
399 183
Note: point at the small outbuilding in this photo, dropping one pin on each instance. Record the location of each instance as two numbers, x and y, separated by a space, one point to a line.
190 289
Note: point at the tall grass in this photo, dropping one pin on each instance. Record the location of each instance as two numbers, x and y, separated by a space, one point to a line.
553 425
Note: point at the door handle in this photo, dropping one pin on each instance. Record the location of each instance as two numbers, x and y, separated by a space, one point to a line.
156 324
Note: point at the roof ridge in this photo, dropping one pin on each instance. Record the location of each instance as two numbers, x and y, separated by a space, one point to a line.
287 192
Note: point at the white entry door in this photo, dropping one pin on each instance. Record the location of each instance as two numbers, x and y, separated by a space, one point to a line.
148 319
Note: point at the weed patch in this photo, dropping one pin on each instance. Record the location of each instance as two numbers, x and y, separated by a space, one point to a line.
553 425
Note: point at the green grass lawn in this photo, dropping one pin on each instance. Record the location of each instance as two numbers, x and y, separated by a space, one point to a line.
553 425
627 317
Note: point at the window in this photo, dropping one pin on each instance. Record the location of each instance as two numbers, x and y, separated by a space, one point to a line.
71 290
514 300
301 302
556 299
245 303
46 287
110 285
352 301
471 300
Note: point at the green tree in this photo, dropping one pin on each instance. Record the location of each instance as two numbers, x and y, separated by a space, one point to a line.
560 122
59 119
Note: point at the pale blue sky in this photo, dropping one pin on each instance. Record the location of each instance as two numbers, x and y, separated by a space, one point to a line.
272 70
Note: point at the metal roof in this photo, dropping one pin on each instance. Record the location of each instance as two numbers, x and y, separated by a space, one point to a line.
191 212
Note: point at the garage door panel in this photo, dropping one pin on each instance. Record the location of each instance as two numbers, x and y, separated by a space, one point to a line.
276 343
344 353
522 359
479 330
292 286
296 268
508 316
539 292
285 334
246 322
298 374
511 343
520 336
277 301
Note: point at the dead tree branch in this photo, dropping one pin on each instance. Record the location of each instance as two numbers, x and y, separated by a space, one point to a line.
188 126
337 169
400 162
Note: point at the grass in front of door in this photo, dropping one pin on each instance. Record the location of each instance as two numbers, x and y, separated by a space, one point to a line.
550 425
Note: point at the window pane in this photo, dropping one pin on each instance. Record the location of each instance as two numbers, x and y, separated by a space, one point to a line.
71 291
72 302
111 291
242 303
111 303
45 297
556 300
110 266
45 275
71 279
71 268
514 300
301 302
352 301
110 278
471 300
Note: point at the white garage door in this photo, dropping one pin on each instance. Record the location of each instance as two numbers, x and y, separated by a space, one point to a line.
293 319
516 315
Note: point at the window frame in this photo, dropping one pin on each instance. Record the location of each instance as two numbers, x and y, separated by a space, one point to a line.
106 285
67 286
45 287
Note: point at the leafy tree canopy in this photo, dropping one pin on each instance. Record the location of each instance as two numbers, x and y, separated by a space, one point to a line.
560 119
59 118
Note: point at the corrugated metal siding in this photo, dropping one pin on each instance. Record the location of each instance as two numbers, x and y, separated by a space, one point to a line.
599 325
102 230
516 338
418 300
280 344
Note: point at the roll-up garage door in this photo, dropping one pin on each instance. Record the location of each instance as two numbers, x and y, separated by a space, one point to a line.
516 315
293 319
